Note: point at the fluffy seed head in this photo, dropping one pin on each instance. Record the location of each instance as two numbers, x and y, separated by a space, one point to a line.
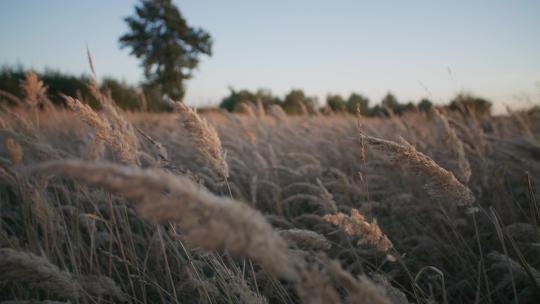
204 137
357 225
207 221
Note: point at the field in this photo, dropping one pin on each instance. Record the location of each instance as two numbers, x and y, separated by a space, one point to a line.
109 206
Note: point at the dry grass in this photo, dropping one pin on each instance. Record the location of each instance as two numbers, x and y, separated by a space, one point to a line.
36 272
107 206
204 137
356 225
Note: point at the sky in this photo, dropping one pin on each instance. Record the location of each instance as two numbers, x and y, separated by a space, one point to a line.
414 49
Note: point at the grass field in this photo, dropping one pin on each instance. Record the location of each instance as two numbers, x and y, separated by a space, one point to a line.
108 206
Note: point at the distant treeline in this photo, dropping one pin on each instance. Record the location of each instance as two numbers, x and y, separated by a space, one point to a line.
147 98
297 102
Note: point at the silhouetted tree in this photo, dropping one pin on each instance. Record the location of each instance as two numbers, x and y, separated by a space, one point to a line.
231 102
168 46
468 103
408 107
56 82
425 105
390 102
124 95
235 98
377 110
336 103
267 97
296 100
358 101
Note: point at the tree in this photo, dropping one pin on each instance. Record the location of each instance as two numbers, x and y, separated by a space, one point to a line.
168 46
235 98
408 107
336 103
123 94
467 103
390 102
425 105
357 101
296 102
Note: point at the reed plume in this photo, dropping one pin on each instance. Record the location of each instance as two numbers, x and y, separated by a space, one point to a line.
110 128
33 89
14 151
357 225
463 171
327 198
205 138
305 239
261 112
247 108
36 272
126 141
35 93
208 221
360 290
276 111
439 183
101 126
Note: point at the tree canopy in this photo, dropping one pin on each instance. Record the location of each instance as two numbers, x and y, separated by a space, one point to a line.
168 46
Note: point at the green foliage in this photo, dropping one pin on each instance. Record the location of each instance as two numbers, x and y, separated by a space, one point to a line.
467 103
168 46
296 102
408 107
235 98
57 83
10 79
390 102
377 110
425 105
336 103
124 95
357 101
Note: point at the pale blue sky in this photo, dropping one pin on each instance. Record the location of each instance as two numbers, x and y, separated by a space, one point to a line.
413 48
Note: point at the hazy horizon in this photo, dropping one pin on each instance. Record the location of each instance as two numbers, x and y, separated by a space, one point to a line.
414 49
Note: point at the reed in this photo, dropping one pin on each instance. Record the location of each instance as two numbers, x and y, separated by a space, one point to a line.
204 137
207 221
36 272
439 183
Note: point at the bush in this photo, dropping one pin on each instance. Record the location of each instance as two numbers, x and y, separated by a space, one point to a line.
336 103
124 95
296 102
357 101
425 105
232 102
467 103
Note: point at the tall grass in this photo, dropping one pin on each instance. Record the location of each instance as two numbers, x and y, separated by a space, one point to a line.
107 206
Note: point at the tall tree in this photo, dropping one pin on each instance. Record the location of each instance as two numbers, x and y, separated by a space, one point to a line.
168 46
